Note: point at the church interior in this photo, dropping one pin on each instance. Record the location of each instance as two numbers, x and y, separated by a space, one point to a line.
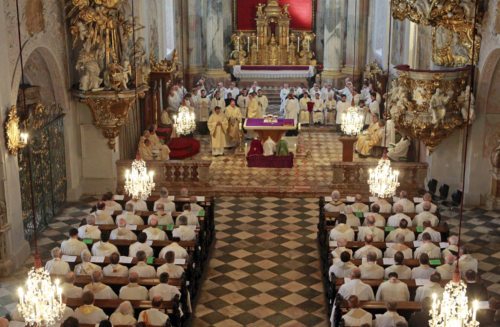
250 163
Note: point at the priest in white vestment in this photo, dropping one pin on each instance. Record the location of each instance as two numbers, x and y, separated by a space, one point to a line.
137 204
383 204
110 204
153 316
409 235
393 290
431 287
73 246
180 252
284 91
217 101
341 268
142 268
69 289
352 219
318 110
370 269
133 291
103 248
184 232
217 125
100 290
379 219
399 151
292 107
304 115
427 198
130 217
86 267
359 205
263 102
168 204
122 232
56 266
376 232
398 215
356 316
427 247
435 235
399 246
447 269
389 318
466 262
341 247
367 248
336 204
424 270
103 215
173 270
356 287
162 217
425 215
163 289
342 107
115 269
242 102
123 315
89 230
408 205
140 245
191 215
403 271
88 313
234 118
153 232
342 230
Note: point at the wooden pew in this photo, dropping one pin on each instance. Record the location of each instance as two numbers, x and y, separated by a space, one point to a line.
443 229
381 245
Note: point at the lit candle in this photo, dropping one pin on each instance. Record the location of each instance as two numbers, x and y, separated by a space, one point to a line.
257 43
24 138
475 306
127 174
298 44
245 148
248 44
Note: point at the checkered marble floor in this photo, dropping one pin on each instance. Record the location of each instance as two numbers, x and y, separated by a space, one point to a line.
265 268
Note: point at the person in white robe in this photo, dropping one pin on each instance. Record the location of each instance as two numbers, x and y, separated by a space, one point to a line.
367 248
86 267
195 208
173 270
466 262
427 247
140 245
103 248
111 205
408 205
393 290
255 87
374 105
341 247
168 204
73 246
263 102
342 107
180 252
409 235
425 215
284 91
164 290
383 204
137 204
431 287
190 214
69 289
162 217
56 266
133 291
342 230
304 115
352 219
88 313
379 219
292 107
242 102
123 315
390 133
153 316
142 268
356 287
399 246
269 147
102 215
390 317
217 101
435 235
115 269
427 198
217 125
447 269
359 205
398 215
341 268
336 204
330 110
153 232
370 229
318 110
356 316
122 232
90 230
184 232
424 270
403 271
327 92
370 269
202 110
100 290
173 98
452 248
130 217
233 90
399 151
234 119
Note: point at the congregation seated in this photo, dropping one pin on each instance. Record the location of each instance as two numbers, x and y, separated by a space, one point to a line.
179 251
375 213
103 247
427 198
154 233
184 232
122 232
173 270
408 205
342 268
168 205
390 317
433 286
424 270
141 267
398 215
110 204
435 235
356 287
163 217
57 266
452 248
341 247
427 247
133 291
352 219
123 315
163 290
88 313
130 217
86 267
363 251
403 271
466 261
356 316
140 245
393 289
69 289
149 149
192 218
398 246
89 229
153 316
137 205
475 289
115 269
425 215
409 235
383 204
100 290
195 207
102 216
73 246
370 229
335 205
359 205
370 269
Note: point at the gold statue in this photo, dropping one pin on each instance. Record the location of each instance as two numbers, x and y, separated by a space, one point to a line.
273 52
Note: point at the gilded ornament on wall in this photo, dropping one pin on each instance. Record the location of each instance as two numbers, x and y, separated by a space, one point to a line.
13 132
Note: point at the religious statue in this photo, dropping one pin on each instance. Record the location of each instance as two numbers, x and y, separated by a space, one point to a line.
116 77
463 102
437 106
89 70
260 10
273 53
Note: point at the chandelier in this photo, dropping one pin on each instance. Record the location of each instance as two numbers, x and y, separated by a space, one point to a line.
352 121
139 182
185 121
453 309
40 303
383 180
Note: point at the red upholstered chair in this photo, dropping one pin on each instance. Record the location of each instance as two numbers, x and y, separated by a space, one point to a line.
183 147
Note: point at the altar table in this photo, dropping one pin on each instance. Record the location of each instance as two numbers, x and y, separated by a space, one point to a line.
273 72
273 130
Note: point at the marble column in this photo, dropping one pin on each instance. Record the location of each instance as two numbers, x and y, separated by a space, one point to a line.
195 33
320 31
356 39
334 21
215 40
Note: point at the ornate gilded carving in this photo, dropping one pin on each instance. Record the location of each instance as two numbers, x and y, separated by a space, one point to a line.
429 105
14 138
166 66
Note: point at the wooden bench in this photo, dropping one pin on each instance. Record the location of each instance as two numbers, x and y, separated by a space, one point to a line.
442 229
354 245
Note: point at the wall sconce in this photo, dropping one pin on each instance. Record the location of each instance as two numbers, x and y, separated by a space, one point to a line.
15 138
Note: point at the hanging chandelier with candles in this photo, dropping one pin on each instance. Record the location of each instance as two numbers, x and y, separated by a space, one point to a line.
40 302
383 180
352 121
139 183
185 121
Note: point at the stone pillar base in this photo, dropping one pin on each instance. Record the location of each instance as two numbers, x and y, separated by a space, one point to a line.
336 78
217 74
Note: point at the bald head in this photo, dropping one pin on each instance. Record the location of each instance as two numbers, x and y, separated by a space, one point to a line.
426 206
70 277
427 197
453 240
96 276
133 277
449 259
368 239
398 208
122 222
356 273
370 220
358 198
403 194
336 195
400 238
90 219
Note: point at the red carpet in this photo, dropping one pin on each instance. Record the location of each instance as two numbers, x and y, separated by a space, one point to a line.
183 147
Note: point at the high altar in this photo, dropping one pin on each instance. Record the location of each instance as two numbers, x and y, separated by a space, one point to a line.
273 45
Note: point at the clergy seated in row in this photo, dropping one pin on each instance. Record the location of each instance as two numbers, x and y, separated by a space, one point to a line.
173 270
102 215
86 268
425 215
447 269
163 289
56 266
394 220
371 137
137 204
100 290
115 269
427 198
408 205
393 290
427 247
151 149
342 230
408 234
452 248
154 233
133 291
304 115
424 270
341 268
142 268
184 232
129 215
122 232
370 229
359 205
103 248
140 245
336 205
398 246
88 229
363 251
370 269
403 271
375 213
269 147
123 315
68 287
352 219
73 246
110 204
390 317
435 235
433 286
162 217
466 261
88 313
356 287
399 151
154 316
356 316
341 247
179 251
168 205
384 205
192 218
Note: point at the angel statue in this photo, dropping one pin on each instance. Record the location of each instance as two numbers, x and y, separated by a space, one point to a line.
116 77
463 102
437 106
260 10
89 70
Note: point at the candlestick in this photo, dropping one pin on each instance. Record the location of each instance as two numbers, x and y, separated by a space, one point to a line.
298 44
248 44
257 43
